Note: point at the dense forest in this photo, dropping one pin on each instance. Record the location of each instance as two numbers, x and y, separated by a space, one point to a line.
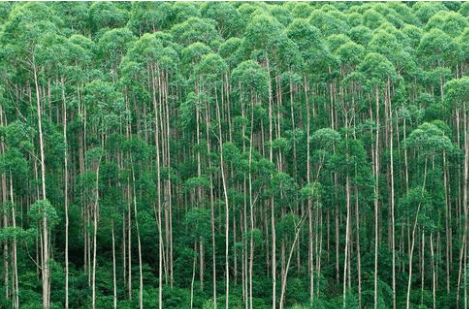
234 155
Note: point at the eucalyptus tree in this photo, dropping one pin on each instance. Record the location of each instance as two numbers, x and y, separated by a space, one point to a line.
438 50
70 61
107 14
452 23
457 97
281 14
285 191
373 19
251 82
147 53
379 72
24 34
265 33
210 70
106 112
462 40
13 170
111 49
360 34
405 13
425 10
75 16
427 140
324 142
183 10
299 9
227 17
196 221
350 55
316 55
413 34
149 17
464 9
196 100
332 22
194 30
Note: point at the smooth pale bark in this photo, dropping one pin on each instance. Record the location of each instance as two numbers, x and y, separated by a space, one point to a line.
45 229
214 262
199 189
158 192
14 253
227 208
15 294
462 254
212 212
393 224
414 230
272 203
447 223
310 202
295 167
465 202
65 191
114 277
169 183
139 243
251 210
376 199
129 244
348 218
422 269
285 274
347 240
193 275
95 233
5 268
163 143
433 272
124 252
359 265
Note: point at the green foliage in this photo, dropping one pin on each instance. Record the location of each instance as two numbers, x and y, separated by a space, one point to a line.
107 14
43 209
195 30
376 69
133 94
428 139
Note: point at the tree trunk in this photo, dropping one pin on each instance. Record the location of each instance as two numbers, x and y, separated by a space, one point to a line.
158 187
433 272
114 278
414 229
227 207
359 265
66 191
95 232
347 240
376 199
393 224
447 223
422 268
5 274
285 274
139 243
251 212
272 203
15 294
45 229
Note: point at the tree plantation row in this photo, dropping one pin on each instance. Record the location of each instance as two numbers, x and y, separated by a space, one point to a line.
234 155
